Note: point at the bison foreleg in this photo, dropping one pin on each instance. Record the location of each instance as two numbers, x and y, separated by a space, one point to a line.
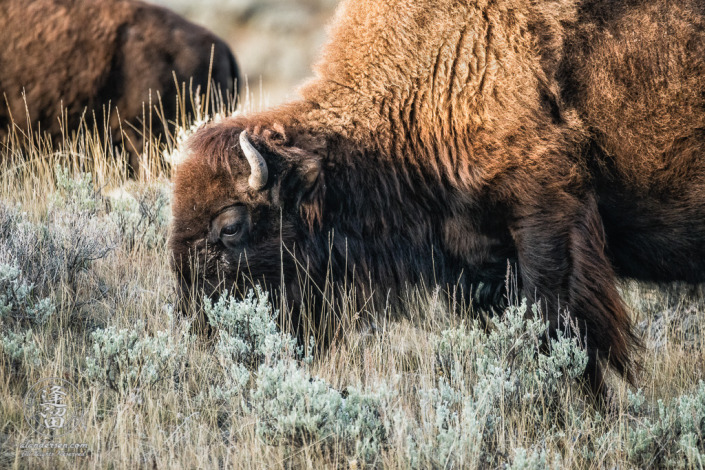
562 264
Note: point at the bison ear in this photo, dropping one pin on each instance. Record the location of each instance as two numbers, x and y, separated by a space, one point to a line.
310 173
311 191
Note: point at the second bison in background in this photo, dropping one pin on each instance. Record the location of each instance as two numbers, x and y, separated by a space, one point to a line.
444 139
83 56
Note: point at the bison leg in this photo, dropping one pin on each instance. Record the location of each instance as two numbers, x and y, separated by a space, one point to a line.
563 265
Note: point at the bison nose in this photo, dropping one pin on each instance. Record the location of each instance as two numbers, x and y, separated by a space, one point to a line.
187 301
189 304
185 304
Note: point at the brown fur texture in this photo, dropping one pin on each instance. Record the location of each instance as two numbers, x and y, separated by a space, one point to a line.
84 56
442 140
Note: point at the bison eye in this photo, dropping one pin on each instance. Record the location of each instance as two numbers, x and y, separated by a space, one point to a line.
230 227
231 230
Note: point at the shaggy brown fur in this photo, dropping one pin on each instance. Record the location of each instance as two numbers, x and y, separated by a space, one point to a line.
443 139
87 55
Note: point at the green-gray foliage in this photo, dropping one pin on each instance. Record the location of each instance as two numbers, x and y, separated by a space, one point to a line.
672 434
247 330
291 405
130 358
247 337
142 219
294 407
533 459
55 250
75 192
20 311
139 219
17 299
20 348
483 376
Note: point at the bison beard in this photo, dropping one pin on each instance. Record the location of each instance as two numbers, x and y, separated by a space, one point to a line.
443 140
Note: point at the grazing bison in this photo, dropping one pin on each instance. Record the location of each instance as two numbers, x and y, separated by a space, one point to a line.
84 56
442 140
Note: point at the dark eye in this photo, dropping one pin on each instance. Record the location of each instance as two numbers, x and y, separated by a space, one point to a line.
232 229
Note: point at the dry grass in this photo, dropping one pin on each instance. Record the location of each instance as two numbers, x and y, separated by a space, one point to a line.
178 422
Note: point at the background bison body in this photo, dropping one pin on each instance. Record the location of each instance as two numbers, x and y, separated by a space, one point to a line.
86 56
443 140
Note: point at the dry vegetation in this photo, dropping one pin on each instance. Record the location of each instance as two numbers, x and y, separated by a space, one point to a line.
86 295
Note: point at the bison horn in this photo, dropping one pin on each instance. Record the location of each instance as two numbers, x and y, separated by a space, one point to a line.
259 173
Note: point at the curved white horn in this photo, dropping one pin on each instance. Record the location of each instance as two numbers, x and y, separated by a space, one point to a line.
259 172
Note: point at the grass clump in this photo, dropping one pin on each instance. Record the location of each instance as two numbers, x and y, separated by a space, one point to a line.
485 375
17 299
266 368
294 408
20 311
670 434
247 330
247 337
20 349
141 217
127 359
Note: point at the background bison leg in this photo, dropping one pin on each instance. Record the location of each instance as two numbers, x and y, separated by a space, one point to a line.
563 266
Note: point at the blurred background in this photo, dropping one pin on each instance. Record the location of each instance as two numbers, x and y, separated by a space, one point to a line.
274 41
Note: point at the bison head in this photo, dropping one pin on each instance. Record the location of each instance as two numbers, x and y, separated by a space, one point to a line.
243 207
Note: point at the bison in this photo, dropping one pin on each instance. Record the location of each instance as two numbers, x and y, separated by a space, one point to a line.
442 139
87 56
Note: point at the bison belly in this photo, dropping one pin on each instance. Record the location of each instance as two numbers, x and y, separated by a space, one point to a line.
654 239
